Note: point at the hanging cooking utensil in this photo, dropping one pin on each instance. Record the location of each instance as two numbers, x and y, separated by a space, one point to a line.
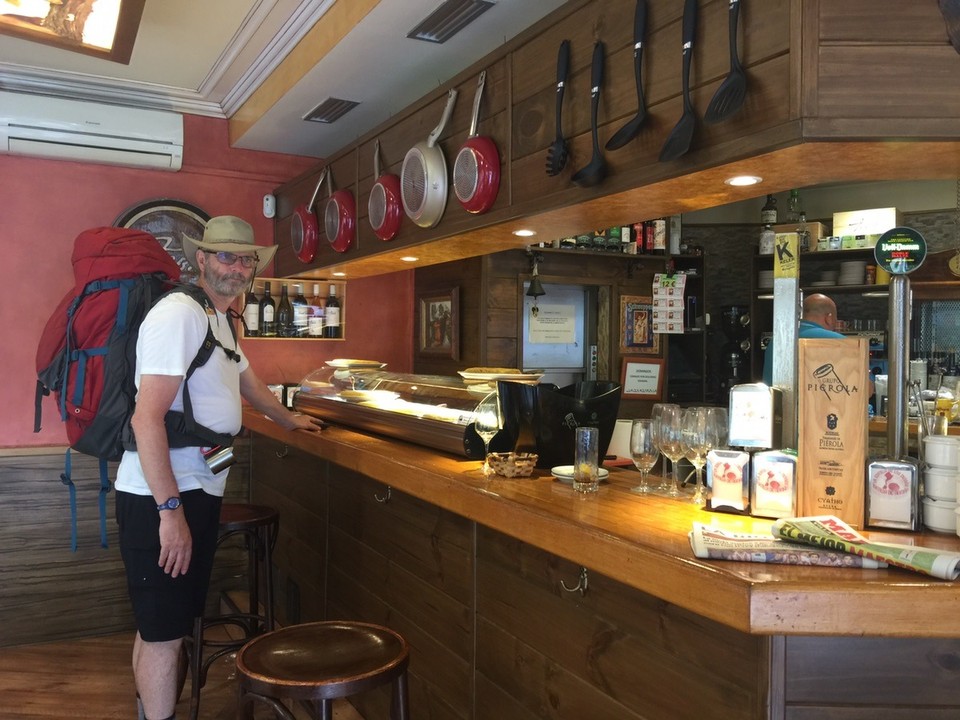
629 131
384 208
557 152
339 217
304 228
596 170
423 176
476 170
730 95
678 142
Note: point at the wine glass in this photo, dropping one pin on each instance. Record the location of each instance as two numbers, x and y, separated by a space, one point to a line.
698 437
644 451
655 414
718 417
670 433
486 423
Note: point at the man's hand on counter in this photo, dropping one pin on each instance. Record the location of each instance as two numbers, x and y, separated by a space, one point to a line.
299 421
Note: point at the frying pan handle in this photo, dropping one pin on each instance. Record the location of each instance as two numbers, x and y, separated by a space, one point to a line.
476 103
316 190
376 159
689 24
447 112
329 182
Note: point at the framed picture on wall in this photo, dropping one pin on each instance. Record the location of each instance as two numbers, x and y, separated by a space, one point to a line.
439 331
642 379
636 326
168 221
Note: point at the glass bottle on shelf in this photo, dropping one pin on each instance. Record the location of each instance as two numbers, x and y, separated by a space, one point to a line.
331 317
301 311
768 213
768 240
284 314
315 320
268 322
251 314
794 207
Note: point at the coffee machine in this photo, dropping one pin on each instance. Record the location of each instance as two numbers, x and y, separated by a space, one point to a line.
734 361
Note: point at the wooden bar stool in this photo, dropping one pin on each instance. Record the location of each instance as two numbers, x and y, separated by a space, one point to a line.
319 662
258 525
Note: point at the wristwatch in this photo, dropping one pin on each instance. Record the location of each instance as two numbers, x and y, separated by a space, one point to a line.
171 504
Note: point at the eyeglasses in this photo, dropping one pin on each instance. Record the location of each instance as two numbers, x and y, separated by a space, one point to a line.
229 258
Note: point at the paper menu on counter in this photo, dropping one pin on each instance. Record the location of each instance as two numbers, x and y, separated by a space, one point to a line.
668 303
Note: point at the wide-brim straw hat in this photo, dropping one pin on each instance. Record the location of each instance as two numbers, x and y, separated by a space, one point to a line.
227 233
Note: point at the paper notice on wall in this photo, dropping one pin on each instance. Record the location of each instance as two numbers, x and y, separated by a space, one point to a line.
553 324
668 305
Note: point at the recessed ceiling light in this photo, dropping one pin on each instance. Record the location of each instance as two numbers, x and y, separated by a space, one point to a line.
409 258
743 180
524 233
340 273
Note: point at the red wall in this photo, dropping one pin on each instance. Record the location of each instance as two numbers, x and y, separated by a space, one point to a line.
46 203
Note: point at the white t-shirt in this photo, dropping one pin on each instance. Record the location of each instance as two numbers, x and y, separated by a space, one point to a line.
170 336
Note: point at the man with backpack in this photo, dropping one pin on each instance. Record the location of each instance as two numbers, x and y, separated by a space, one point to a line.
168 499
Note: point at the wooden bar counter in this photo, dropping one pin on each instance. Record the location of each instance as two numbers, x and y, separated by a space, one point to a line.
805 641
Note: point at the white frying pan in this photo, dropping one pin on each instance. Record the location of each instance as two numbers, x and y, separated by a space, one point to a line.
423 177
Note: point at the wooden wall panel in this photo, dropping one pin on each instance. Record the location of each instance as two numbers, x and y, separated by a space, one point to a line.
916 673
48 592
606 654
884 22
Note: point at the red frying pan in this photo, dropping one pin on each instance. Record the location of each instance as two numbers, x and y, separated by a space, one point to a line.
304 229
339 217
384 208
476 171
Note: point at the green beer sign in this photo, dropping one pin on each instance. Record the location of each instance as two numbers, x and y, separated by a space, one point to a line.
900 250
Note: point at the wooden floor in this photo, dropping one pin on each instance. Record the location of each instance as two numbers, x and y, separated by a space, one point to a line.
91 678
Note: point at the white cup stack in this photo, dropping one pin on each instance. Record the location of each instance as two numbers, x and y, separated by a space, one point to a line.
941 482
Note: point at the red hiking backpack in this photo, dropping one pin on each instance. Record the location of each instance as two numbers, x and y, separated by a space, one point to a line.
87 352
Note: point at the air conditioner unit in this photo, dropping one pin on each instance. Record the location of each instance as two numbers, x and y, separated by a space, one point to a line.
90 132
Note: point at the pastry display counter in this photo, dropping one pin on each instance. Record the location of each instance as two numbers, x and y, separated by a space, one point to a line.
430 410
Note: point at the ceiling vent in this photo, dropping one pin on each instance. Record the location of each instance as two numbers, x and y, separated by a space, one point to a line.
330 110
447 20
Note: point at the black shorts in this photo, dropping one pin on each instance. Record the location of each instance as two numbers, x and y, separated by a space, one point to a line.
165 607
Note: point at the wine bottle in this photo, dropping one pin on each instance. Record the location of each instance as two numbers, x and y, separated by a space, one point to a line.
284 314
768 213
268 323
331 317
301 311
315 322
251 314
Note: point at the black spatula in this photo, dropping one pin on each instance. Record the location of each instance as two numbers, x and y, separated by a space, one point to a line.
730 95
629 131
678 142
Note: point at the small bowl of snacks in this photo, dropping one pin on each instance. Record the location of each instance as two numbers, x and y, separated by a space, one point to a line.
512 464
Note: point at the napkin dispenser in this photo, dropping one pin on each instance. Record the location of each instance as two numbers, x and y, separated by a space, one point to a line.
893 494
756 417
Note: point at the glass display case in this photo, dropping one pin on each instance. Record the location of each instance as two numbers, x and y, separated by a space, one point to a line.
431 410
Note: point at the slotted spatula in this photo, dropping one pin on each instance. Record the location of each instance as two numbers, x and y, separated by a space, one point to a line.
728 98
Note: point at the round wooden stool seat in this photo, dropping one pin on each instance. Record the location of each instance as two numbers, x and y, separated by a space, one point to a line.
240 516
324 660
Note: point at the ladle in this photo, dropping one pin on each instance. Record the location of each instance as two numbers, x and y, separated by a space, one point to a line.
728 98
594 172
679 139
629 131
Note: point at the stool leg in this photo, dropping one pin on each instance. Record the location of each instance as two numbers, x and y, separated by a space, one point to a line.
254 553
399 709
269 541
323 709
196 666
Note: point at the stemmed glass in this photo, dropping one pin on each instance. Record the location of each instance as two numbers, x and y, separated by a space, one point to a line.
644 451
655 414
669 435
699 436
719 419
486 423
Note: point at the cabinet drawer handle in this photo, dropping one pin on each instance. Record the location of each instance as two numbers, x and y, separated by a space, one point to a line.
385 498
283 453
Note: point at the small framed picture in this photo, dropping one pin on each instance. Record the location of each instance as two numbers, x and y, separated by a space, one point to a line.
439 324
636 326
642 379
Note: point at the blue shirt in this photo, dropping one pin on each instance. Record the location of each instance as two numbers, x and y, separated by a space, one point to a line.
807 330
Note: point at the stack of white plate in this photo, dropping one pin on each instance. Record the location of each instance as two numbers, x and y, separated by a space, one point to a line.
852 272
765 279
829 276
941 481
